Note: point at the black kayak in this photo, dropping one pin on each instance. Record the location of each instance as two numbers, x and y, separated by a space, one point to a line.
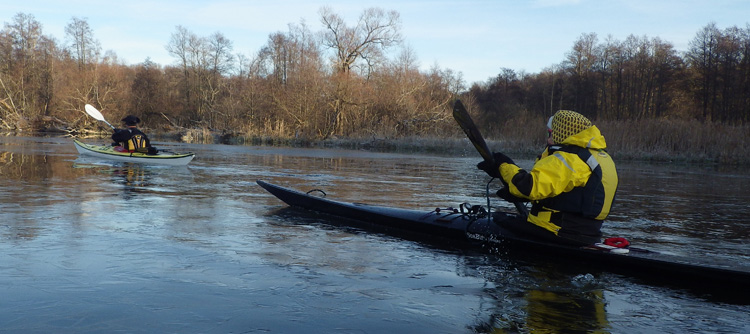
473 228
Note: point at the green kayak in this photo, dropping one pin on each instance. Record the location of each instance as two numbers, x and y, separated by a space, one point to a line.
108 152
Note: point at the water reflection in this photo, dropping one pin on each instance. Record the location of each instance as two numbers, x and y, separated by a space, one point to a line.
515 294
565 311
31 181
82 240
551 311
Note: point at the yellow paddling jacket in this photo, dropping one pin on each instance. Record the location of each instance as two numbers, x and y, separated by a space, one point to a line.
571 186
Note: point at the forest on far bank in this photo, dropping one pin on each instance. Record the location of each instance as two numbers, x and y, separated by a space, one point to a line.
357 80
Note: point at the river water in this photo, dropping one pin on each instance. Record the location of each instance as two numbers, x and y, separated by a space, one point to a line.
90 246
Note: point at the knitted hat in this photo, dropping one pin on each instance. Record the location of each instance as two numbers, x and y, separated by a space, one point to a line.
566 123
131 120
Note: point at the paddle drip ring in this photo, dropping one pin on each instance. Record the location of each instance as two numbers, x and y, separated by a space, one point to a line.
617 242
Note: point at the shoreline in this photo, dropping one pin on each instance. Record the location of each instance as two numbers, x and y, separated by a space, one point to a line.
525 149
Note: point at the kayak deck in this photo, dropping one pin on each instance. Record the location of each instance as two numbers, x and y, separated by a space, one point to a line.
464 229
108 152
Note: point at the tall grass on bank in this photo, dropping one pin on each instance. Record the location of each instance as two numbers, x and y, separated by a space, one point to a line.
678 140
686 141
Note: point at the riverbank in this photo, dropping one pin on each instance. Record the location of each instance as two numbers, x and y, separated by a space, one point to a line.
669 141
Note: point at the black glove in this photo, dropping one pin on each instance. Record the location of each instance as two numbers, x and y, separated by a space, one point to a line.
490 168
501 159
494 169
505 194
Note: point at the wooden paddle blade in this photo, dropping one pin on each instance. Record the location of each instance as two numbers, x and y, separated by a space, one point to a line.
464 120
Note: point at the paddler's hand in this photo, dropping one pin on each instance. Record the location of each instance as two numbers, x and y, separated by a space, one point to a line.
505 194
493 169
489 168
501 159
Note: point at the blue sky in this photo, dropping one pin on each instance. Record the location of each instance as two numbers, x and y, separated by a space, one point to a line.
476 38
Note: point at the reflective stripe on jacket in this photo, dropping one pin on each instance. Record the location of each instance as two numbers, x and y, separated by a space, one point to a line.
571 186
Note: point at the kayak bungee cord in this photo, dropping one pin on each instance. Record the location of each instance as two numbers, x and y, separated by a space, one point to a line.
718 278
523 211
318 190
487 195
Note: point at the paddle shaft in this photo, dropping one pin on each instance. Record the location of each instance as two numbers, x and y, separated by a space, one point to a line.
464 120
110 125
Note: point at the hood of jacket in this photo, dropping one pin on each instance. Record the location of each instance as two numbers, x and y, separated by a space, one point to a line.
590 138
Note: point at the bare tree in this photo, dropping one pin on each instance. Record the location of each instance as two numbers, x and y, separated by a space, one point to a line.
83 46
295 79
179 47
703 59
26 74
408 102
375 32
148 91
581 62
205 63
220 57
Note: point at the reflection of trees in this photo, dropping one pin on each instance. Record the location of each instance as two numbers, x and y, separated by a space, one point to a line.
38 166
30 181
18 166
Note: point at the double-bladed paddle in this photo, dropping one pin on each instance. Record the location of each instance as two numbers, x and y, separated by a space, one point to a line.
467 124
464 120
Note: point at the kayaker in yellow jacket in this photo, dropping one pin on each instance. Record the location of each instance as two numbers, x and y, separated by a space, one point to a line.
572 184
131 139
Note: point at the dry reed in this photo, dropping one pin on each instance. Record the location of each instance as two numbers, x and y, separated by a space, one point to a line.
687 141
